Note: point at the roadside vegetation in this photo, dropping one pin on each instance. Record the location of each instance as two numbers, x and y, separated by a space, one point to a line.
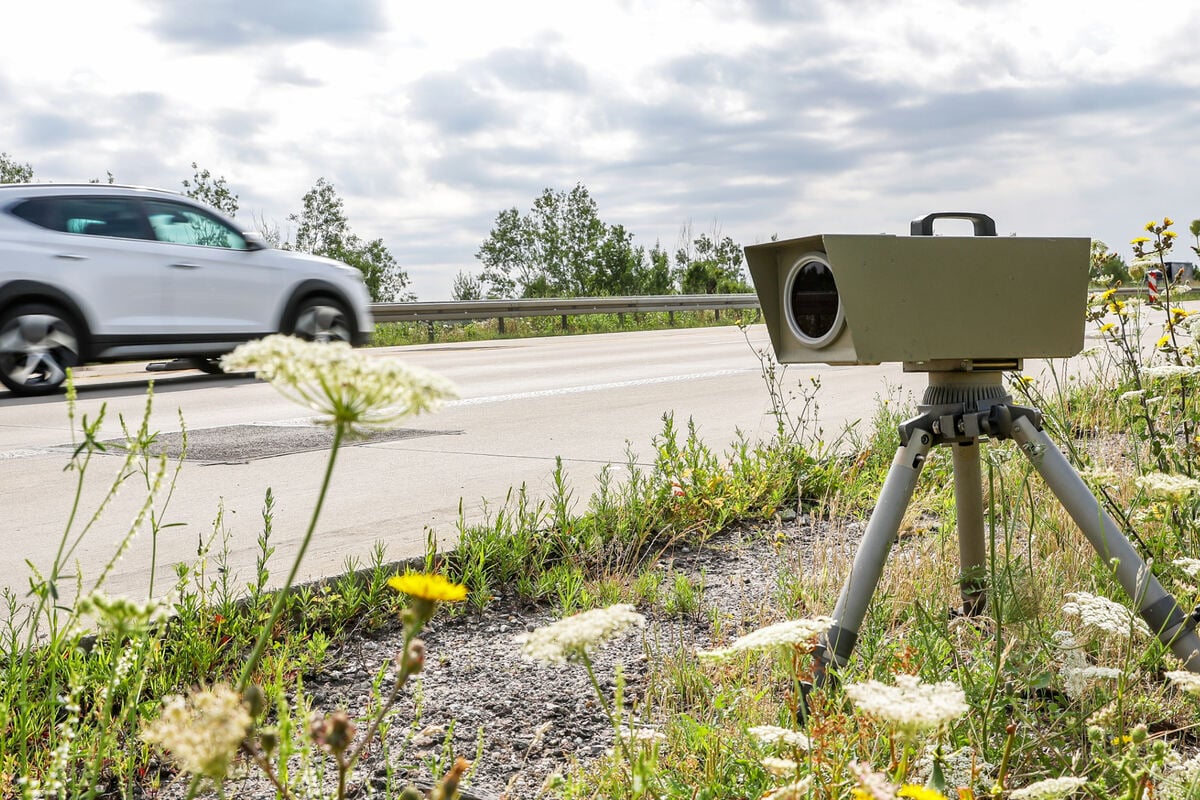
1056 691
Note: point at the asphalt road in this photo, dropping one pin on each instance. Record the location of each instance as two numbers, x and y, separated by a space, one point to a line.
590 400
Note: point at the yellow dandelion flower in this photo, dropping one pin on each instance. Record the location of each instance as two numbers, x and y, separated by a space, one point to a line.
920 792
1106 327
1150 225
428 587
1164 341
1140 239
1108 295
1169 234
1168 222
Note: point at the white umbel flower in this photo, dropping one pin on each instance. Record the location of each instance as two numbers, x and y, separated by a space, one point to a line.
797 790
910 706
1191 566
1185 681
1162 486
344 385
781 737
781 634
1049 789
780 767
572 638
203 731
1102 616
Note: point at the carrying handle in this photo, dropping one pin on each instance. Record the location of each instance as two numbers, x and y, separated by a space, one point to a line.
923 226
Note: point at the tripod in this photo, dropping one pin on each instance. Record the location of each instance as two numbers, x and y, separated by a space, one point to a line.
958 409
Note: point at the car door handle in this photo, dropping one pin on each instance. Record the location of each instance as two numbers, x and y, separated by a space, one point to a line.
71 257
185 265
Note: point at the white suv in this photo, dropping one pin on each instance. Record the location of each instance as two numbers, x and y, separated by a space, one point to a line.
114 273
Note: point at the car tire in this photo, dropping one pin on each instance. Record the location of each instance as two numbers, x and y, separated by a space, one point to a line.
38 342
322 319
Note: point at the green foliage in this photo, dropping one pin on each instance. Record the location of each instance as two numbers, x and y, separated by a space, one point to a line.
709 264
210 190
561 248
13 172
1108 268
324 230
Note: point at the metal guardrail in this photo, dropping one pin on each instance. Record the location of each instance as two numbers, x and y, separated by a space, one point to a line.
462 310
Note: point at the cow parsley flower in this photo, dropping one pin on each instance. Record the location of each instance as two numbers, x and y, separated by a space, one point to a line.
572 638
910 706
780 767
1191 566
1167 371
1049 789
1099 615
1168 487
774 735
781 634
346 386
203 731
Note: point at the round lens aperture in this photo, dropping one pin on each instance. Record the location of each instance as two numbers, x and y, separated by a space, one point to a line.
813 305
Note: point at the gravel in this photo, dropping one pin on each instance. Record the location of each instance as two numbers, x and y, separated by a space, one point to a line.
518 721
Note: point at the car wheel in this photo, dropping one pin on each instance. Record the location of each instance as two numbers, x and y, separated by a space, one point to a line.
37 344
212 366
320 319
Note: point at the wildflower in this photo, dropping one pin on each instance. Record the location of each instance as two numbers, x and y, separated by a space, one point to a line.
910 706
1049 789
780 766
120 616
1185 681
428 587
1106 327
1168 487
346 386
1132 395
1163 341
797 790
781 634
335 732
1076 680
203 731
773 735
1100 615
1165 371
1191 566
871 785
920 792
571 638
1168 222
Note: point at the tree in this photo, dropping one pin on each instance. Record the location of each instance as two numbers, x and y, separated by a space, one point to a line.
12 172
562 248
467 287
323 229
709 264
209 190
1107 267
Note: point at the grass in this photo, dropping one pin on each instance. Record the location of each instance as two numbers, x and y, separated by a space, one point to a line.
1060 683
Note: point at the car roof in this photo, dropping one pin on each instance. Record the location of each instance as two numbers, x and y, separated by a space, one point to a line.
35 189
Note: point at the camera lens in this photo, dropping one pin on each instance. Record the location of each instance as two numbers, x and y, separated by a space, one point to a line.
814 307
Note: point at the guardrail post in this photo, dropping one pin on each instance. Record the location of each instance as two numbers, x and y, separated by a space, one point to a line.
429 325
564 322
500 325
671 318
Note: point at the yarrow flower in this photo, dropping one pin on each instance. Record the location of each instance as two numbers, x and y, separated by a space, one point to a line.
346 386
1165 371
1049 789
774 735
1185 681
120 616
1100 615
781 634
572 638
1168 487
640 735
1191 566
910 706
203 731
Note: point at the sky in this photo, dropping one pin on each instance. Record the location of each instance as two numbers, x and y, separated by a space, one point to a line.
747 119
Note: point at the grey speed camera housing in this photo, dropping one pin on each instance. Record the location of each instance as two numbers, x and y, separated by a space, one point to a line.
931 302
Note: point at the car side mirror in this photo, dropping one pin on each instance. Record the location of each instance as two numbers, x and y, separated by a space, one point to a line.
255 240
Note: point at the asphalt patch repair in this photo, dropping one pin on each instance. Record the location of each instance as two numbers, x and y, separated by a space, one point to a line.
238 444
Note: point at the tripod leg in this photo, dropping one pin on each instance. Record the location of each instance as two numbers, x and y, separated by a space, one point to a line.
1172 625
972 544
881 531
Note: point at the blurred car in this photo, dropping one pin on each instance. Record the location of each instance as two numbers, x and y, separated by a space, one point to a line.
92 273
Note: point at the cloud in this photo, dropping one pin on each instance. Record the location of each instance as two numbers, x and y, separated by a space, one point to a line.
534 71
278 72
454 107
219 24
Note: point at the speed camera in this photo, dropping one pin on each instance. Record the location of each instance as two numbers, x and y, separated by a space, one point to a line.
931 302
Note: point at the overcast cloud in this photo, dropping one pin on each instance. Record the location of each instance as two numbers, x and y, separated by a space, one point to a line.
757 118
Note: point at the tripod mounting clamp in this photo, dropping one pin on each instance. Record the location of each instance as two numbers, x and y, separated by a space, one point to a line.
954 424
